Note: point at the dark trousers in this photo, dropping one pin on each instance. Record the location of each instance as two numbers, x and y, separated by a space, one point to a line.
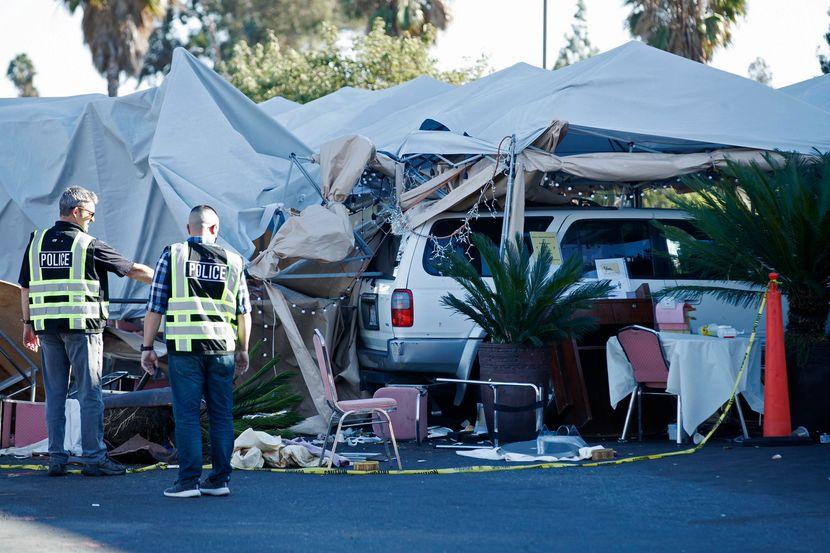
191 378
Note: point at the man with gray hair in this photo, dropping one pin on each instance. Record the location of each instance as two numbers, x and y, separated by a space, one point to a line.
64 296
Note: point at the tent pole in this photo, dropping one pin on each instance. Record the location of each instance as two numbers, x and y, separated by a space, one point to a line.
508 199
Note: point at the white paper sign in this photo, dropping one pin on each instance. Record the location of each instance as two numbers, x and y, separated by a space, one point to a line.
616 271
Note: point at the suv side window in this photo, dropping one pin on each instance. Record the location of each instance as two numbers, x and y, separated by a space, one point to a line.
670 263
610 238
486 225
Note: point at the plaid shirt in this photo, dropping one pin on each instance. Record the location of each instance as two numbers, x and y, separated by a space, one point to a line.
160 289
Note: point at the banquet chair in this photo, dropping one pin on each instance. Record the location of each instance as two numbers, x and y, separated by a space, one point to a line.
644 351
341 410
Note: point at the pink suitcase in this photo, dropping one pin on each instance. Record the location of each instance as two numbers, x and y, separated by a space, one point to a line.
23 423
409 421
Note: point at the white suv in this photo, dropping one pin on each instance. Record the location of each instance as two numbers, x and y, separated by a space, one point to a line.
405 332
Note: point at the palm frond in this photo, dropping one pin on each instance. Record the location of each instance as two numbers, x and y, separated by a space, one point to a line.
527 302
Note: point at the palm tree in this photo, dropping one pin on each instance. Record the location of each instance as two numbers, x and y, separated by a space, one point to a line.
527 303
400 16
117 33
693 29
21 72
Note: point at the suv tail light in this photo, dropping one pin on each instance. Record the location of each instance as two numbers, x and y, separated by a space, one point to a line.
403 308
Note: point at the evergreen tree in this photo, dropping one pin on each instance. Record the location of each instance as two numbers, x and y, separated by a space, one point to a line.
577 45
375 61
21 73
759 71
824 61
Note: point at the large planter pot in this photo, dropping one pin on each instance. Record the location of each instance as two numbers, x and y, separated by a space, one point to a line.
513 363
809 383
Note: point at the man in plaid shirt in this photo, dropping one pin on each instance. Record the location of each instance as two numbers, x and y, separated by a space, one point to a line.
199 289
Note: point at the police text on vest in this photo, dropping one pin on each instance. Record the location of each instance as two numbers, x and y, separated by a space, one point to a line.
207 271
55 260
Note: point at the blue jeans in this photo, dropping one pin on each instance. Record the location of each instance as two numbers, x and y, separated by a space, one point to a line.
84 352
191 378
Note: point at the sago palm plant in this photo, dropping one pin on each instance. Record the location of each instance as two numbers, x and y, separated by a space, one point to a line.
759 222
527 303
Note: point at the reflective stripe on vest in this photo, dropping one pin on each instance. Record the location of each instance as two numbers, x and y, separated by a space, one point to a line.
191 313
83 295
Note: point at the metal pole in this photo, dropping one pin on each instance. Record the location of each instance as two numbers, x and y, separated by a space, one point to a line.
508 204
544 34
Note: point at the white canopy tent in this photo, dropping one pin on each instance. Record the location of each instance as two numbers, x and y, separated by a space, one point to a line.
150 156
815 91
631 98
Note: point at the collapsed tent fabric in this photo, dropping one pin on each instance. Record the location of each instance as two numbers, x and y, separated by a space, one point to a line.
815 91
150 156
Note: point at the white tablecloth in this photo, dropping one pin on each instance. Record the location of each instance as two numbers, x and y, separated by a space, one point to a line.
702 369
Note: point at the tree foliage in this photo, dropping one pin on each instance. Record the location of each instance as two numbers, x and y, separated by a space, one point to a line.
211 29
527 303
693 29
21 72
824 61
374 62
577 45
399 16
759 71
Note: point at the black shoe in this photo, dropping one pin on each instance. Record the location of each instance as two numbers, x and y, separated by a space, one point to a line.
210 488
183 490
107 467
56 468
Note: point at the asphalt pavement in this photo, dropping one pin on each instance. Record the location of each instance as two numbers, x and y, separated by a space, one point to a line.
722 497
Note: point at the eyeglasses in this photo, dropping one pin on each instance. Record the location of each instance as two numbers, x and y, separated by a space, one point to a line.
91 213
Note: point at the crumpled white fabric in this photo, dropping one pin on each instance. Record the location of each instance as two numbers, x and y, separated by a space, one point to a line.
71 439
497 454
254 449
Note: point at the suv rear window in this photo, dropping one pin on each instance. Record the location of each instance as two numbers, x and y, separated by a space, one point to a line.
486 225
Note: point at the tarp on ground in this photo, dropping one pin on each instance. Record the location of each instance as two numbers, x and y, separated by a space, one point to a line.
815 91
150 156
633 96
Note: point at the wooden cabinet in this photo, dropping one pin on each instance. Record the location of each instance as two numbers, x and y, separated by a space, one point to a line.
580 374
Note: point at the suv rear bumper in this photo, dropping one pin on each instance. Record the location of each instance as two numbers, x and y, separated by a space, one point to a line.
418 355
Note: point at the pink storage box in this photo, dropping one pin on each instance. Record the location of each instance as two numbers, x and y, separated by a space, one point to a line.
24 423
409 421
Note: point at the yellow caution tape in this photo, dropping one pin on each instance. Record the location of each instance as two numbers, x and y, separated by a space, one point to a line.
492 468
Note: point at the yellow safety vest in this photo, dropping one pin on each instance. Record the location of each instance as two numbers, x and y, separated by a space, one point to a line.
84 301
191 316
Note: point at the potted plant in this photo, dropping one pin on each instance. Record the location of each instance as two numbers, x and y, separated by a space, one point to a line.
762 220
528 308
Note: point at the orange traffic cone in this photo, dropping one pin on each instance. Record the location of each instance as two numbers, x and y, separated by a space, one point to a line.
776 394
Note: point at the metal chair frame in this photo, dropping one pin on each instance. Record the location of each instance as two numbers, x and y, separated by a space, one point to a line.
341 415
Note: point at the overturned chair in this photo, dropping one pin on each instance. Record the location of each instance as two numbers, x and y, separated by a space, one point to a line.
341 410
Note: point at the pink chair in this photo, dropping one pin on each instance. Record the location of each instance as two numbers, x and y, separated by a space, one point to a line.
644 351
343 409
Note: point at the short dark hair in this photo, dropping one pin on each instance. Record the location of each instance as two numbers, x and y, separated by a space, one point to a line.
199 213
